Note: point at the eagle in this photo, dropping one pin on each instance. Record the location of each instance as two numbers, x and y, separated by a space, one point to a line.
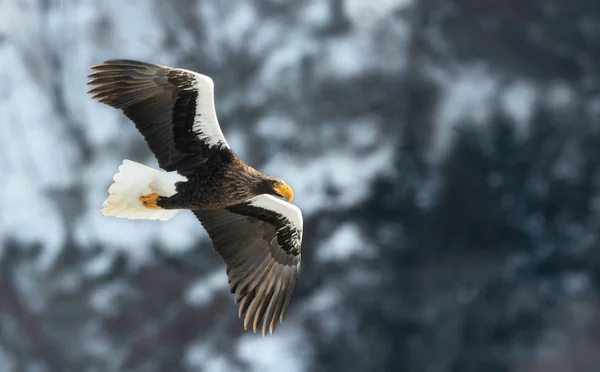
253 229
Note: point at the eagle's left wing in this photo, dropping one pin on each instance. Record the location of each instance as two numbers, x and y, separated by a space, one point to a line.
259 240
173 109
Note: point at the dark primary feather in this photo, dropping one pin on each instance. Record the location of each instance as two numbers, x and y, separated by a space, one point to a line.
161 103
261 250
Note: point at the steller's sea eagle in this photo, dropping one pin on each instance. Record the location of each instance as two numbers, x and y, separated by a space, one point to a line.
257 235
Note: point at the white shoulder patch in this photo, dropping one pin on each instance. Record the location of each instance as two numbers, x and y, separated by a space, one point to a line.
288 210
206 124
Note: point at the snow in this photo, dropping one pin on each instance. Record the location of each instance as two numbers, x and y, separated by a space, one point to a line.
345 56
99 265
98 344
39 222
287 347
559 95
345 170
236 24
281 66
10 16
344 244
576 283
363 132
6 360
135 237
202 292
102 122
370 13
237 140
105 300
314 13
277 126
518 100
27 282
359 52
130 35
202 355
467 96
326 300
474 91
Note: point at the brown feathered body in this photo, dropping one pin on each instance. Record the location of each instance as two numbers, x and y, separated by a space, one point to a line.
223 180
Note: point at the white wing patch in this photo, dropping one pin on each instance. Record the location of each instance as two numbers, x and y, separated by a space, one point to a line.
206 125
288 210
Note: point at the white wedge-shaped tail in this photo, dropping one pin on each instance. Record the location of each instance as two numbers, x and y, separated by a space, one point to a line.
133 181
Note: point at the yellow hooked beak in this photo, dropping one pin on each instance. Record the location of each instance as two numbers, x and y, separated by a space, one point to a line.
284 190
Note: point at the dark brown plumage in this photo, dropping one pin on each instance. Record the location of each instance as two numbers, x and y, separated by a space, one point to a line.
257 235
262 276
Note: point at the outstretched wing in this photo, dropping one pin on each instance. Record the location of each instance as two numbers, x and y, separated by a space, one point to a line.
259 240
172 108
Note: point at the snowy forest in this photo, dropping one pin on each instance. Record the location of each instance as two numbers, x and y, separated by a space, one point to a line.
445 155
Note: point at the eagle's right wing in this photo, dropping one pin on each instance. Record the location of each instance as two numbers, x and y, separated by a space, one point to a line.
259 240
172 108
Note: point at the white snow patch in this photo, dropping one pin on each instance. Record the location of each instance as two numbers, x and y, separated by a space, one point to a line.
105 300
181 234
357 53
364 132
560 95
7 362
345 170
237 140
370 13
29 217
324 299
518 100
468 96
327 300
345 243
361 277
277 126
268 35
315 13
287 347
135 237
99 265
576 283
238 22
39 127
10 16
103 123
98 343
130 33
282 63
27 282
346 56
201 354
202 292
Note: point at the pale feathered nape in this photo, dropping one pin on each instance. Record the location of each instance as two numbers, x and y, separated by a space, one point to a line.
133 181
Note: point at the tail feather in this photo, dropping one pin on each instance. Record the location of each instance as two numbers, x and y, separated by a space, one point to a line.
133 181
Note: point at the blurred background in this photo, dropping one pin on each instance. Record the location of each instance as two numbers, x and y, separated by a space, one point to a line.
445 154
